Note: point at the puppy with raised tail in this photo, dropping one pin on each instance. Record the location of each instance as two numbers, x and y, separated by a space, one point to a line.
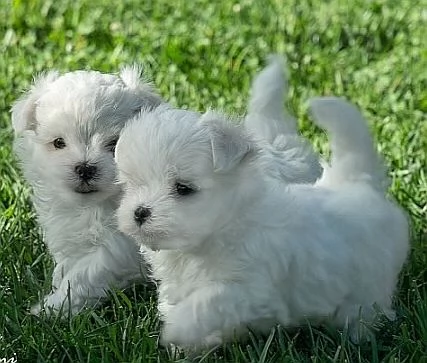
232 248
291 158
66 129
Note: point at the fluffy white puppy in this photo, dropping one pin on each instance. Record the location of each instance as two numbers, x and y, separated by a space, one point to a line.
232 248
291 158
67 127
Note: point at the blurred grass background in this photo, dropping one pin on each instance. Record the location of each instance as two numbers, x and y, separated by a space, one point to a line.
203 54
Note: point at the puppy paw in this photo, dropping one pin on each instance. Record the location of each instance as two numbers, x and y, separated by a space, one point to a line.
36 309
53 304
175 352
170 336
360 334
189 337
213 339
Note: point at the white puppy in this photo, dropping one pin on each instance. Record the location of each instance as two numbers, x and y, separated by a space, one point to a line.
67 127
291 158
232 248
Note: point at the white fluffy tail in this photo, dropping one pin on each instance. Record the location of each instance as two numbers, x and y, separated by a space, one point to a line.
267 116
353 155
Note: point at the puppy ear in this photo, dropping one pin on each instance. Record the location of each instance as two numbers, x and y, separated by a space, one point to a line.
24 110
134 79
230 145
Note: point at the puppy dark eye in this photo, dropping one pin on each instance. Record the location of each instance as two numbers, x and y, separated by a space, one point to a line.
184 189
111 146
59 143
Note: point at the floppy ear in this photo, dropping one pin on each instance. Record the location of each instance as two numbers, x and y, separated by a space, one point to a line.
23 110
230 145
134 79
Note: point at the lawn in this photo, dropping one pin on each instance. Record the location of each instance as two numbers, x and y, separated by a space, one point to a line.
203 54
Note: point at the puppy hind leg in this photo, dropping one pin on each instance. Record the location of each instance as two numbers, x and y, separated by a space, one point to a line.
362 320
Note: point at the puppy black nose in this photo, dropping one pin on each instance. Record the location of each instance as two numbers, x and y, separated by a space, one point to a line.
141 214
85 171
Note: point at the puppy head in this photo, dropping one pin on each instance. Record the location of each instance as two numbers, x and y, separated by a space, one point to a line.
71 124
183 177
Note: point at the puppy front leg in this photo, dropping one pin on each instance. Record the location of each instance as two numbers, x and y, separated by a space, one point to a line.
69 294
87 281
213 314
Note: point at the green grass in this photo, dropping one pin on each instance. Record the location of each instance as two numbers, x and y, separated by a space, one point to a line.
204 53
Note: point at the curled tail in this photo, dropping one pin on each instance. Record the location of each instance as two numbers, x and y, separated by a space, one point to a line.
267 116
353 155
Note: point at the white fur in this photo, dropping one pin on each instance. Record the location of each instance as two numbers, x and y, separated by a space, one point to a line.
287 156
247 250
87 109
